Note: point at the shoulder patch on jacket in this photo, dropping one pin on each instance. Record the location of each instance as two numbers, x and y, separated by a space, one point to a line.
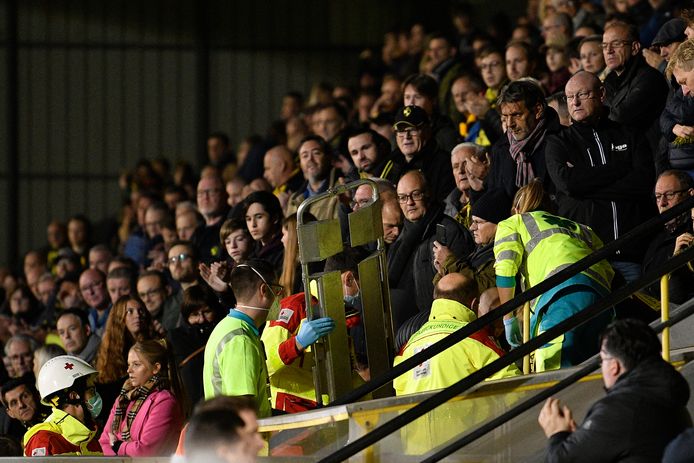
39 452
285 315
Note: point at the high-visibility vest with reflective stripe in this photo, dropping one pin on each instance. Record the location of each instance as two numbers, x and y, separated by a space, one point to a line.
453 364
61 434
538 245
235 364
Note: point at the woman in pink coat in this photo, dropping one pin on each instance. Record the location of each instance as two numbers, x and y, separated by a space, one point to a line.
148 414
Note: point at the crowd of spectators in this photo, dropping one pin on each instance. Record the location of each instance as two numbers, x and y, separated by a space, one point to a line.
550 137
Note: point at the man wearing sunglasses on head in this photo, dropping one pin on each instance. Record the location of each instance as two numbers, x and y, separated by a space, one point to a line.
234 356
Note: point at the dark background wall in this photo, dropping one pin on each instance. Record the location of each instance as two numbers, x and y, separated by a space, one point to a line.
89 87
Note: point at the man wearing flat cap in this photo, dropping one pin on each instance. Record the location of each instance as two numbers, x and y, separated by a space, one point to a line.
669 37
417 150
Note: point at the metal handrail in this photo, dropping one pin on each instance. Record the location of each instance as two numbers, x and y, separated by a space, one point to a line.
683 311
502 362
605 252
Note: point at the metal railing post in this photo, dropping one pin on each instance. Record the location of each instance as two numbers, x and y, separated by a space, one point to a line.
526 336
665 315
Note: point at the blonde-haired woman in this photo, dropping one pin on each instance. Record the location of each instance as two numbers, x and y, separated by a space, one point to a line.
534 244
148 415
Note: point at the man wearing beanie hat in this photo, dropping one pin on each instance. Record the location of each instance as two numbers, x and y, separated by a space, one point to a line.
487 211
418 150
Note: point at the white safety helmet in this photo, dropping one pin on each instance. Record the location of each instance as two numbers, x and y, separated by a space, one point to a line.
60 373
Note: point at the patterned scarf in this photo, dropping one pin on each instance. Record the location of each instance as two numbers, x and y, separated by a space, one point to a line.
127 395
519 153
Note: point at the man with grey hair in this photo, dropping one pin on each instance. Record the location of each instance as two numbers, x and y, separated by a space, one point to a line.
470 163
19 350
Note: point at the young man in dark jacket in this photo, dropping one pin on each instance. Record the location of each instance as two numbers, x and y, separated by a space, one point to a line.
602 171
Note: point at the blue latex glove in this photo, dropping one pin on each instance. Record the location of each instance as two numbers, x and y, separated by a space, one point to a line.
311 331
513 332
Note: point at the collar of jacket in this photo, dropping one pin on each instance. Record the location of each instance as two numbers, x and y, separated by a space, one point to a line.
425 153
59 422
601 122
630 68
447 309
420 228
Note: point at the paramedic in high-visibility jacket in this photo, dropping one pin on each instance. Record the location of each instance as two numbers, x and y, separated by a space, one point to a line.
234 356
537 245
66 383
289 338
454 296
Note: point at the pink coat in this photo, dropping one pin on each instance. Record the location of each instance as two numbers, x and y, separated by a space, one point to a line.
154 431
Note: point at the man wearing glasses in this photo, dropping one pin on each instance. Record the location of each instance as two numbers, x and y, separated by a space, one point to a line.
411 266
672 187
183 264
417 150
635 92
212 204
234 356
602 171
644 409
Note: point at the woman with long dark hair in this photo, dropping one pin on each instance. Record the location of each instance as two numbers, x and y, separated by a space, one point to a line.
128 323
263 215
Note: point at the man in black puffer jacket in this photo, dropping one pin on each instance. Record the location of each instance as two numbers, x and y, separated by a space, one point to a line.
602 171
644 409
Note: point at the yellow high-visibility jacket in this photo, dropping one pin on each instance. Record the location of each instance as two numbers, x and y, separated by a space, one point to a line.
61 434
539 244
453 364
291 377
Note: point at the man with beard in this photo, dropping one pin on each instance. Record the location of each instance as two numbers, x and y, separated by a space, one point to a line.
370 153
519 157
315 162
155 292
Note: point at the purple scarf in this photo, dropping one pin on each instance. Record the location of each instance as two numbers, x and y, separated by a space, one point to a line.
519 153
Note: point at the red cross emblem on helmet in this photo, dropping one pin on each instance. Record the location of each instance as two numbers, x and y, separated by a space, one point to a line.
69 366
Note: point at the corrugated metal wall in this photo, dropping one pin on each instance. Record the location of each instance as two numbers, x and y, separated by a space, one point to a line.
103 84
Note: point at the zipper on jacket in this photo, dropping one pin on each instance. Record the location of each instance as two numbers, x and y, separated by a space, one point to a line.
615 225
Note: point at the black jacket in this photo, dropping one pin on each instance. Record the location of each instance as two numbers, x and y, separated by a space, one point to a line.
604 178
641 413
434 163
679 109
410 257
502 173
660 249
637 97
